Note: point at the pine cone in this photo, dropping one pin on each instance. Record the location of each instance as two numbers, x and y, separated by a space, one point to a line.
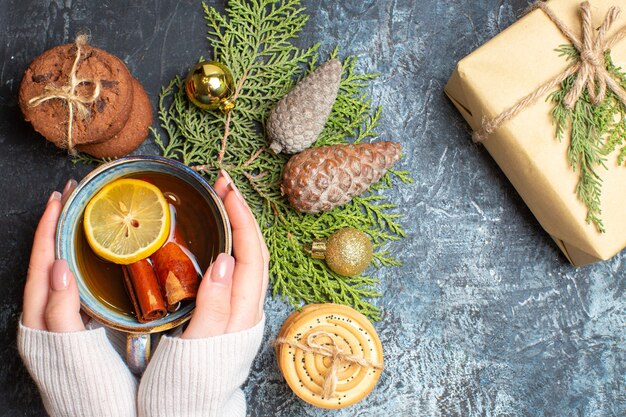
320 179
299 117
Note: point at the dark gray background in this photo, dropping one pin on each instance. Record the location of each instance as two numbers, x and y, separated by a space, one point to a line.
485 318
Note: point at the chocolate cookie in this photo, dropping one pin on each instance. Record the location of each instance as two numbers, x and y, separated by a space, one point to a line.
107 114
132 134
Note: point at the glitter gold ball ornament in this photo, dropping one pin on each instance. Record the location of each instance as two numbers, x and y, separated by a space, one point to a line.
329 354
210 86
347 252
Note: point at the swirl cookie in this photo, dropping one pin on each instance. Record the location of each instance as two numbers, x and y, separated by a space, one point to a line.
330 355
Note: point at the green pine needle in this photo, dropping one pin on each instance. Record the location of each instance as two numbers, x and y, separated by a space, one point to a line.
254 38
596 130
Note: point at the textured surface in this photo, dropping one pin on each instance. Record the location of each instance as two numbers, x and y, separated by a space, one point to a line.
485 318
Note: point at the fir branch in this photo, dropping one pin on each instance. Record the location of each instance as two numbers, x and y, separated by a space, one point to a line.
254 39
83 158
596 130
382 259
403 176
616 111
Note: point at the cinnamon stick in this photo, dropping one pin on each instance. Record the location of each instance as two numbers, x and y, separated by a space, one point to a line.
144 291
176 272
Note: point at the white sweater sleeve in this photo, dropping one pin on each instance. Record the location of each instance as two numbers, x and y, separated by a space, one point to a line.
199 377
78 374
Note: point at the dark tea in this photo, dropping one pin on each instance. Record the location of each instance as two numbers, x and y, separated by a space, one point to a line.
195 224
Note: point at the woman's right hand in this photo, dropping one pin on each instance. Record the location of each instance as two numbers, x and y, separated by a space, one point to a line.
231 295
51 300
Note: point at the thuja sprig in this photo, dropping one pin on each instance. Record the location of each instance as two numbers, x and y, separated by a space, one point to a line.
255 40
596 130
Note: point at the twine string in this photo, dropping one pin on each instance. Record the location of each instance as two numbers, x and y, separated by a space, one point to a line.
75 102
590 70
330 350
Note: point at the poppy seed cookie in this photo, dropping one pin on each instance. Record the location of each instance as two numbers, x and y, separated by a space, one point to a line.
132 134
106 115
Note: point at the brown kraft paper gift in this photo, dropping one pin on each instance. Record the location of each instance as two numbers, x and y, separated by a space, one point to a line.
511 66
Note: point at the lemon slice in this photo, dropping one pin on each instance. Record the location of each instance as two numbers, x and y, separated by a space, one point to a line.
126 221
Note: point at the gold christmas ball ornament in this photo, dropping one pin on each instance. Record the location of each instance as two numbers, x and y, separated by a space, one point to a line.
210 86
347 252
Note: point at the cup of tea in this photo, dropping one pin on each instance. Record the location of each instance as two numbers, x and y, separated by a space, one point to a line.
103 286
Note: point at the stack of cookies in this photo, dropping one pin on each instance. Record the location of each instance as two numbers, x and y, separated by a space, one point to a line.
82 98
329 354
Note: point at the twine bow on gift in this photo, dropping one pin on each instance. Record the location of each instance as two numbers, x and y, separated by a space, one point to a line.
69 95
330 350
590 69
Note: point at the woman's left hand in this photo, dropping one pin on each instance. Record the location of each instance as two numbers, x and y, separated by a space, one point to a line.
51 300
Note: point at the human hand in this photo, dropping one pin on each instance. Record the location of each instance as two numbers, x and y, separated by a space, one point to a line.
51 300
231 295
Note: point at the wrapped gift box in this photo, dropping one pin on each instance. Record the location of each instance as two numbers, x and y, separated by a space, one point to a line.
509 67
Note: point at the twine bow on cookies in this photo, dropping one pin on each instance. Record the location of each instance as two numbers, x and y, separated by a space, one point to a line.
590 70
330 350
68 93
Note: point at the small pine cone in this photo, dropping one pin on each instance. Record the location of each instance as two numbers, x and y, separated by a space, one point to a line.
320 179
299 117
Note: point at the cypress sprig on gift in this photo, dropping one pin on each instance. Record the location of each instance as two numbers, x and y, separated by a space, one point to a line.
255 40
597 130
